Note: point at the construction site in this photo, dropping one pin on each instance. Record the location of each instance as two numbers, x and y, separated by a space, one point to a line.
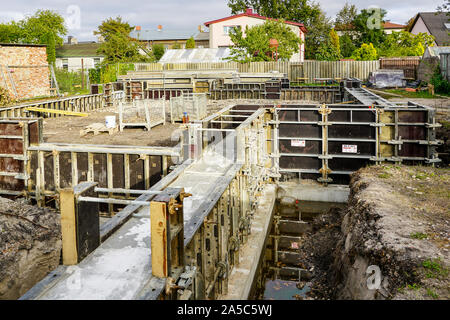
223 185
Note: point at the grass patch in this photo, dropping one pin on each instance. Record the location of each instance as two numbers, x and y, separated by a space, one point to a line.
384 175
432 294
418 94
413 286
434 268
418 235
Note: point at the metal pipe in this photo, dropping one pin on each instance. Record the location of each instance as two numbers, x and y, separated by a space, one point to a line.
120 190
113 201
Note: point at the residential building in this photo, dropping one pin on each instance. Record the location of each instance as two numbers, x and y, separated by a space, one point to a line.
74 55
436 24
24 70
170 38
219 30
388 28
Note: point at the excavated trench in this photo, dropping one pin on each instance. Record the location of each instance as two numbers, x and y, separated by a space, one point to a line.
299 250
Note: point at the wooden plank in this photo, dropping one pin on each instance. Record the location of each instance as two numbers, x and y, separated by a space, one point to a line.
68 227
53 111
158 218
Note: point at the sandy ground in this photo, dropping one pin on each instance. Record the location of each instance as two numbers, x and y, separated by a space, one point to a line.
67 129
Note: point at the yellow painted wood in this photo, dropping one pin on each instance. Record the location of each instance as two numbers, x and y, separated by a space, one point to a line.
68 227
158 213
64 112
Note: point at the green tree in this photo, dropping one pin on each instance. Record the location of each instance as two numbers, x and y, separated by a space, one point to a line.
303 11
334 38
318 35
255 45
158 51
400 44
369 25
365 52
190 43
11 32
345 17
347 45
118 46
43 27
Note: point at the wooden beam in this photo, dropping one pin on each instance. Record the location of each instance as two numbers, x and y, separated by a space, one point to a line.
64 112
68 227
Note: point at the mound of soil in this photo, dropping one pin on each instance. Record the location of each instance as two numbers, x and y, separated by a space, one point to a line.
30 246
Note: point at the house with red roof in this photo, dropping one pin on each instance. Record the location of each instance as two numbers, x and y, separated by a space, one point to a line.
219 30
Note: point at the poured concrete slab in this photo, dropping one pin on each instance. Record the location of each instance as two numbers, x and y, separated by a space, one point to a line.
121 267
312 191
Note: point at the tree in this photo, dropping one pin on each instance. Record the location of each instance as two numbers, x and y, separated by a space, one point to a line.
329 49
254 46
158 51
118 46
190 43
398 44
43 27
347 46
317 35
369 25
303 11
345 17
365 52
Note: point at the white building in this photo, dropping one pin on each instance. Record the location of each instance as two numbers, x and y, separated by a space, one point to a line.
74 56
219 30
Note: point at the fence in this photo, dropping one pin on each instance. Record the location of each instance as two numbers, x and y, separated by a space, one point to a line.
408 64
55 107
310 69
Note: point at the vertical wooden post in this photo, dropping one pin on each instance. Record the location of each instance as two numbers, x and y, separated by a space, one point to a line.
68 227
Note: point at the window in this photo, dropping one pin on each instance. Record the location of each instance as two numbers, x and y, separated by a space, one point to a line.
227 29
96 62
65 64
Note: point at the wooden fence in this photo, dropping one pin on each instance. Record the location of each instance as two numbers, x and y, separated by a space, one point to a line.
408 64
310 69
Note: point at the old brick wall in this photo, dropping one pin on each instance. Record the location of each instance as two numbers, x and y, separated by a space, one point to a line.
28 68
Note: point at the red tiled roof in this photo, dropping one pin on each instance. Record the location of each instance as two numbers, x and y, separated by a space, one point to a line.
249 13
390 25
386 25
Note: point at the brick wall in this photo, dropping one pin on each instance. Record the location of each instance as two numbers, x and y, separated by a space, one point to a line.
28 69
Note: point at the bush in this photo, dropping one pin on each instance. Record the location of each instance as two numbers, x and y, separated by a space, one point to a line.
70 82
365 52
5 97
440 84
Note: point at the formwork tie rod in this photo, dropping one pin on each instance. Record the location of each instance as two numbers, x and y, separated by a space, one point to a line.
113 201
120 190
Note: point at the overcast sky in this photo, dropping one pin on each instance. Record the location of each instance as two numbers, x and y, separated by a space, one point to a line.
178 14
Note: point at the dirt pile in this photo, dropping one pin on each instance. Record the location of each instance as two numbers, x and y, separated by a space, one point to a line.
30 246
397 220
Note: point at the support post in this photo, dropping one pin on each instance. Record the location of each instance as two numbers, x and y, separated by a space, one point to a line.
167 233
80 225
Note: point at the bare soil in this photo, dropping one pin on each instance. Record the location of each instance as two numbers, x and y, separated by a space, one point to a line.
398 218
67 129
30 246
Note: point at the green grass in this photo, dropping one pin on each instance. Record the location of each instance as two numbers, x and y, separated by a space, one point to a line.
418 94
384 175
434 268
418 235
432 294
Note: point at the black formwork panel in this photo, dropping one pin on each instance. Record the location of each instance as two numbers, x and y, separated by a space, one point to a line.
350 141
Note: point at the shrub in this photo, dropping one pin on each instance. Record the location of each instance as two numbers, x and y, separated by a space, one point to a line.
365 52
